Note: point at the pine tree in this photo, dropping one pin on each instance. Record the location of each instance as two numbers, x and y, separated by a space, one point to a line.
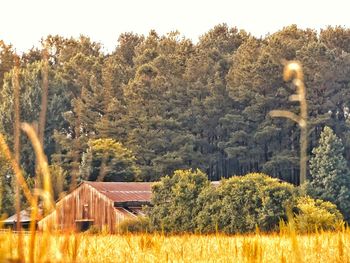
330 176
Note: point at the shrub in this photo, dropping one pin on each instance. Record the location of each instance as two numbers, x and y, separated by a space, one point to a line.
139 224
242 203
186 202
93 230
315 214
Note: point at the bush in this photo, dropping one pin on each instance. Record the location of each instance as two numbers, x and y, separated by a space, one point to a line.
139 224
240 204
174 201
315 214
210 203
186 202
93 230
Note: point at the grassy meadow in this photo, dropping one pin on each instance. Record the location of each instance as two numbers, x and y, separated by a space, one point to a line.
279 247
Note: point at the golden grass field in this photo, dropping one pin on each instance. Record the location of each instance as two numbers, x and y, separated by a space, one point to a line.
283 247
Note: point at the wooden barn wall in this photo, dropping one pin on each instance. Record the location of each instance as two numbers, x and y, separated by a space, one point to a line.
70 208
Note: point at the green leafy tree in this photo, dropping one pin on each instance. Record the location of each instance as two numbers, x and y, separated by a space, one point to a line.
174 201
108 160
330 176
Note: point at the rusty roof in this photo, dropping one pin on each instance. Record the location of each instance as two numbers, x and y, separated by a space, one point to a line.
124 191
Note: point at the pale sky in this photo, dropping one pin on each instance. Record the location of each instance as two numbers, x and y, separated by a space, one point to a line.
24 22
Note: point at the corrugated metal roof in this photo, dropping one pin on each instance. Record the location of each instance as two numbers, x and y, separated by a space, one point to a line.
124 191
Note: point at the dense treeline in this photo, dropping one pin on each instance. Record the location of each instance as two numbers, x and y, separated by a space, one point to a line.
168 103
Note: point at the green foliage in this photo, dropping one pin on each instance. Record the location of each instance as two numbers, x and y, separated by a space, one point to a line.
108 160
139 224
330 176
315 214
174 201
6 188
186 202
6 194
30 100
240 204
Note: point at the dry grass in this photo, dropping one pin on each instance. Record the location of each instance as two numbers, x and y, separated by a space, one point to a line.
319 247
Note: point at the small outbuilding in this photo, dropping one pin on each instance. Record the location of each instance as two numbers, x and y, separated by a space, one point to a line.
99 204
25 219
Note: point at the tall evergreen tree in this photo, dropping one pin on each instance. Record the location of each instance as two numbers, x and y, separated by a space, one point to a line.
211 105
330 176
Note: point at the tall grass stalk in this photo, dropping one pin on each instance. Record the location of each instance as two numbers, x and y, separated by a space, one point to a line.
44 96
294 69
16 146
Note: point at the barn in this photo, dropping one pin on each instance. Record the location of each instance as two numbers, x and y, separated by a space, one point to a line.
101 204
